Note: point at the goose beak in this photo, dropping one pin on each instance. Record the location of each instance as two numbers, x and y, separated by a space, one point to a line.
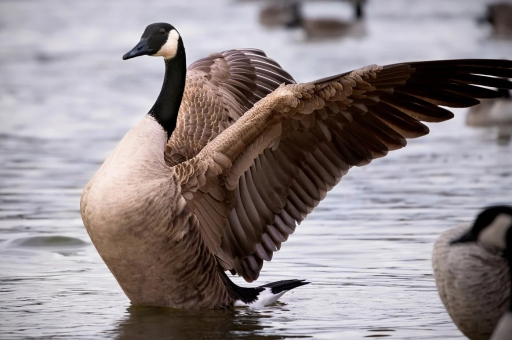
140 49
466 238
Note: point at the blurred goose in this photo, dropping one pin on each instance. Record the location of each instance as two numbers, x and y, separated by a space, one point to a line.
499 15
233 154
276 13
493 113
473 281
493 231
326 28
286 12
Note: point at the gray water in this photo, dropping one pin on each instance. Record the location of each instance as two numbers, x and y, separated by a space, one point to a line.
67 98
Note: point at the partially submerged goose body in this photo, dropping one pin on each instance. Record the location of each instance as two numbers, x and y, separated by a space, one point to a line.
492 230
473 283
233 154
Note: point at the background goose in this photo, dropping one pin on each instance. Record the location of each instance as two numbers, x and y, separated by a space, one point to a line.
289 12
493 231
473 282
325 28
499 16
493 113
214 178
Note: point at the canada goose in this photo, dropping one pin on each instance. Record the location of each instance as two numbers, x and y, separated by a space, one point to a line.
287 12
473 282
495 113
493 231
234 153
499 15
326 28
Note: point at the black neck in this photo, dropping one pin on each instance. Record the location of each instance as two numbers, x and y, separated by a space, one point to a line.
296 19
509 258
359 10
165 110
508 255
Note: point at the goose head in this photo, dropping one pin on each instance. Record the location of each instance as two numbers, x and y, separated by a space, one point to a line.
492 229
158 40
163 40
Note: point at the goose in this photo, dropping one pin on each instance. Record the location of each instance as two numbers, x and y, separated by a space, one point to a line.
499 16
234 153
473 282
326 28
285 12
493 231
495 113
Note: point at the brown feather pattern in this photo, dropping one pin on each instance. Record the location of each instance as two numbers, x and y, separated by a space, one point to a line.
277 161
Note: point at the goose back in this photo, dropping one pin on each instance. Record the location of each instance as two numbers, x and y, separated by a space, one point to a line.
219 89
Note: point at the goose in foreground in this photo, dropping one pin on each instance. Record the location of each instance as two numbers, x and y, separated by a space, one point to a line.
493 231
493 113
473 281
233 154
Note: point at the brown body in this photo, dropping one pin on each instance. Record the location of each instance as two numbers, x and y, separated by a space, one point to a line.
147 237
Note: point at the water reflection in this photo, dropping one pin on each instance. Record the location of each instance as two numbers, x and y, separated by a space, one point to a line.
168 323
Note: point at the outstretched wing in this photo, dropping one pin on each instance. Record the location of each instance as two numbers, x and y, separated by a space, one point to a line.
259 177
219 89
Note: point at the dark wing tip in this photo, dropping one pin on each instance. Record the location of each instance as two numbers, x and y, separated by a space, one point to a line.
284 285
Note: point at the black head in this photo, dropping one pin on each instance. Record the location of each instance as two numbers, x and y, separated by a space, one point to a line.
492 228
158 39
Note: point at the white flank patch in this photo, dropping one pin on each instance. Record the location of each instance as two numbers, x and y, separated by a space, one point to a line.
170 47
495 233
265 298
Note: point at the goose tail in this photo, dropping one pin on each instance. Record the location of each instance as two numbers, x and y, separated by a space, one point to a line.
262 296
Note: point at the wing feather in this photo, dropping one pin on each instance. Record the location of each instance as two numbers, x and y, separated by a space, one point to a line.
294 145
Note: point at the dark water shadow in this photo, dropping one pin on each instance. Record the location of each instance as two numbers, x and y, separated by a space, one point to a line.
167 323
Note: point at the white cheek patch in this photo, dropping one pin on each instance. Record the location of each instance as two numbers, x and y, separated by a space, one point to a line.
494 235
169 49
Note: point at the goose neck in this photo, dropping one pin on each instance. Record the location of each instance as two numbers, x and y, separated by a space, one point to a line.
165 110
508 255
296 19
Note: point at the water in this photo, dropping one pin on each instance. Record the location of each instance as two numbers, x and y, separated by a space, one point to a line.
67 98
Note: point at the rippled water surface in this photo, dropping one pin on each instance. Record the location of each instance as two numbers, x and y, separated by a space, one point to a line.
67 98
